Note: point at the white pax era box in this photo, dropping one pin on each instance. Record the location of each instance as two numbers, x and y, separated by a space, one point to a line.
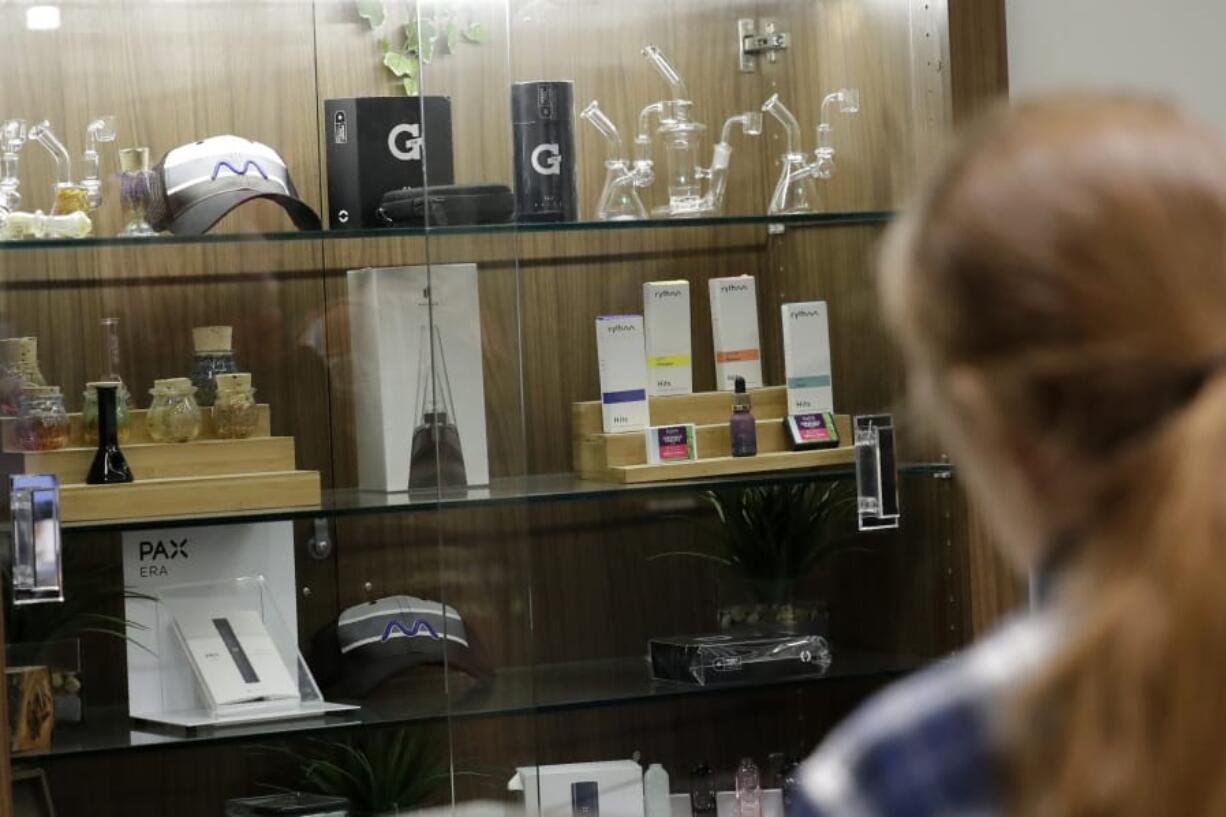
734 328
666 320
623 372
611 788
234 657
806 357
396 381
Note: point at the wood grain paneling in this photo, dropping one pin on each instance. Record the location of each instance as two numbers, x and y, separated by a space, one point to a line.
980 64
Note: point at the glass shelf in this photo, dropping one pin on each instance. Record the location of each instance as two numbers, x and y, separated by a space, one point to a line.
810 219
552 688
504 491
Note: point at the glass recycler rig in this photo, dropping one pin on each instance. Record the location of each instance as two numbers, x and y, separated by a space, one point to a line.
796 190
681 138
72 201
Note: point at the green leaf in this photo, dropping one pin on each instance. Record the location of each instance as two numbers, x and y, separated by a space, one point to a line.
372 11
474 33
399 64
411 38
429 37
453 36
410 86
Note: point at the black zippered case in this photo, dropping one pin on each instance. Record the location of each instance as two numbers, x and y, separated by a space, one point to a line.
448 205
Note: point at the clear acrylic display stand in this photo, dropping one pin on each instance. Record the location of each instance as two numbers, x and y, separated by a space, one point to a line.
225 655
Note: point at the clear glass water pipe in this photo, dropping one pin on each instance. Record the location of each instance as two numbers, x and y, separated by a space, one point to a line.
796 190
13 134
98 131
750 124
619 200
69 197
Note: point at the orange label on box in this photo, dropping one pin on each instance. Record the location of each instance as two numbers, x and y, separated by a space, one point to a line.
740 354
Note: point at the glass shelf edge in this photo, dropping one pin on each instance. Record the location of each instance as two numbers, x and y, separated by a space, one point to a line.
804 220
504 491
115 733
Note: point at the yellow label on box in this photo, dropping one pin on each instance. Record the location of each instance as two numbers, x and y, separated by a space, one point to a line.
668 361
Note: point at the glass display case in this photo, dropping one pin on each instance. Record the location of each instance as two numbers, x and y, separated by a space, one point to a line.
518 351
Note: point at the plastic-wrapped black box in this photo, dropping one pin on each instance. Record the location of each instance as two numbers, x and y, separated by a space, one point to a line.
737 657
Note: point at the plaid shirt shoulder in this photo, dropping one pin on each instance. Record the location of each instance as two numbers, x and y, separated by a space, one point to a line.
924 747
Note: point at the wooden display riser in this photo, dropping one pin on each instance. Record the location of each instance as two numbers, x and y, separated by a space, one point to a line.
189 495
622 457
207 475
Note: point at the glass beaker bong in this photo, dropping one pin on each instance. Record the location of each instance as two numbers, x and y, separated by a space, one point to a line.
619 201
796 190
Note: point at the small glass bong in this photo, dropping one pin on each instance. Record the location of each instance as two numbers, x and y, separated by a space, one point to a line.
619 201
796 191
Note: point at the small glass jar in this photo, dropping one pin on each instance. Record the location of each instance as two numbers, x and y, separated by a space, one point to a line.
214 356
42 423
174 416
18 369
235 414
89 415
136 183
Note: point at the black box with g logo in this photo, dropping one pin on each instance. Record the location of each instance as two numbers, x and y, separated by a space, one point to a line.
381 143
543 122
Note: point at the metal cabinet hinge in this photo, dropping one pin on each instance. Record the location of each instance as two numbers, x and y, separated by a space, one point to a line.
758 37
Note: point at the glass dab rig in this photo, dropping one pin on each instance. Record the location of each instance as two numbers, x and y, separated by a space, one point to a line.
796 190
72 200
681 139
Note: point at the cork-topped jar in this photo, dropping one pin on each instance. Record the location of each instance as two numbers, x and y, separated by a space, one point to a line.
42 423
18 369
214 356
174 416
235 414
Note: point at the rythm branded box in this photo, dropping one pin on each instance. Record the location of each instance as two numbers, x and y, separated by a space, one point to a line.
382 143
419 404
611 788
666 319
623 372
734 327
806 357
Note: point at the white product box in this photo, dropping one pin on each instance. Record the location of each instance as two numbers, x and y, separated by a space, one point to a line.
734 327
806 357
567 790
404 395
235 659
154 560
666 319
623 372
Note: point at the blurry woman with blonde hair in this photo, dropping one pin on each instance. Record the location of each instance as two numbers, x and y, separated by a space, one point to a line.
1059 293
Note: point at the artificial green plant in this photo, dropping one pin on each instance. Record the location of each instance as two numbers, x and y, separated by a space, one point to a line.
775 535
436 28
